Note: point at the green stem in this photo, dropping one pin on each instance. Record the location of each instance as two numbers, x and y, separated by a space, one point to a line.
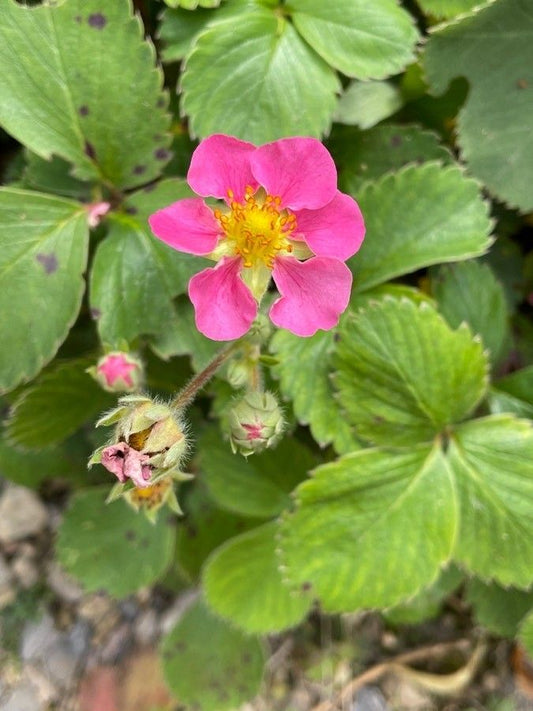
187 395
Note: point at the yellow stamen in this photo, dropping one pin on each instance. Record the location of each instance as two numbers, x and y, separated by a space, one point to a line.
256 229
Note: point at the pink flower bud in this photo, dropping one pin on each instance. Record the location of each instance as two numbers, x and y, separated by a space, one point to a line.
256 423
118 372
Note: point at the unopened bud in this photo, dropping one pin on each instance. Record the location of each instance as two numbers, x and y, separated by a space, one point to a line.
256 423
118 372
149 442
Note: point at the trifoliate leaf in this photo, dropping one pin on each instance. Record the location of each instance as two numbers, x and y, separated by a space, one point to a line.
363 156
372 528
514 393
259 79
500 610
230 582
365 104
403 375
304 370
492 462
43 254
111 547
419 216
360 39
56 405
135 276
493 128
255 486
470 292
208 664
79 81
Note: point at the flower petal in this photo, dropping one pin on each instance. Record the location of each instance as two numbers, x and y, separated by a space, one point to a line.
187 225
313 293
224 306
112 458
136 468
336 230
298 170
220 163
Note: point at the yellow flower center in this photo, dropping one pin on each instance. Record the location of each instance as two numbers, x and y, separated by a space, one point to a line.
257 229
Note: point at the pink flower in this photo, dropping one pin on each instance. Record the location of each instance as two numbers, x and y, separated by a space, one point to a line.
283 217
127 463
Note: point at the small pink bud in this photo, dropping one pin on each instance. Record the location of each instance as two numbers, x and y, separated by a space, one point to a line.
118 372
95 211
256 423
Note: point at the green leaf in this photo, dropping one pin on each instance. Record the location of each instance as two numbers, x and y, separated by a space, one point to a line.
53 176
109 123
447 9
231 587
363 156
43 255
499 610
260 80
255 486
30 468
492 461
192 4
470 292
404 375
514 393
181 337
204 528
526 634
493 126
209 665
179 29
56 405
427 604
112 547
304 371
367 41
419 216
365 104
368 530
135 276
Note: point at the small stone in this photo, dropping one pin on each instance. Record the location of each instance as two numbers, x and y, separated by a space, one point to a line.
24 697
146 628
22 514
25 570
65 587
57 655
102 613
369 698
117 645
7 590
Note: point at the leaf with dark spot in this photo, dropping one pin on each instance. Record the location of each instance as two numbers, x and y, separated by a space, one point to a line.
83 110
49 262
89 150
97 20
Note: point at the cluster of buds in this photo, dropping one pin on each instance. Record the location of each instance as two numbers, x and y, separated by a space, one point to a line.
256 423
118 372
145 454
